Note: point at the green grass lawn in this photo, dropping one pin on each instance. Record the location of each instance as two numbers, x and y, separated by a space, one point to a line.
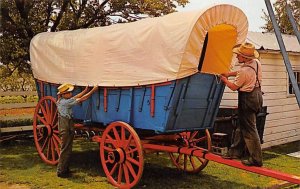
20 164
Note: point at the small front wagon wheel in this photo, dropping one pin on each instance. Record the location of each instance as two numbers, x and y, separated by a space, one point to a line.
121 155
45 130
189 163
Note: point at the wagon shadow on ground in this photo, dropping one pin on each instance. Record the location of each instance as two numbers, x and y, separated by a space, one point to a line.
158 171
166 177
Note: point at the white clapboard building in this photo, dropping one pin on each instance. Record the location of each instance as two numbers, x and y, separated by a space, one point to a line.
283 121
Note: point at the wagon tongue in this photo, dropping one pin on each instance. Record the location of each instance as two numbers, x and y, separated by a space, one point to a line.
202 153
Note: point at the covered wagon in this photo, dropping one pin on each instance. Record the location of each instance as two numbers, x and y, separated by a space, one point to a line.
158 81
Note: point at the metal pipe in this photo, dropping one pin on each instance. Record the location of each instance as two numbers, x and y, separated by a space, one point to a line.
283 51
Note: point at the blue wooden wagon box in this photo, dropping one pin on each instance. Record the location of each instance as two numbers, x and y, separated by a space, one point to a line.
182 105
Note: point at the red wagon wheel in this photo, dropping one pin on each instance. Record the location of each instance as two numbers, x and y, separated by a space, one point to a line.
121 155
189 163
45 130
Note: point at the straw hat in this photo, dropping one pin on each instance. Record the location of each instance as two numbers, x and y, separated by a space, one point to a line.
65 88
246 50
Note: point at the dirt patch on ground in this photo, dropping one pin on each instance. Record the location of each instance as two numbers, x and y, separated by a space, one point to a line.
17 111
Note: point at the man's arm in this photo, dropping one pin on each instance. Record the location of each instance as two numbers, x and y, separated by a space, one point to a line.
87 95
229 84
81 93
229 74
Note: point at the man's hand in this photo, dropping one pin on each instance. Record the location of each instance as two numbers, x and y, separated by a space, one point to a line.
223 78
225 75
94 88
86 89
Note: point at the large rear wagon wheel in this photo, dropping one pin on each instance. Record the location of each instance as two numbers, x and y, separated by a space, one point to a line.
121 155
45 130
189 163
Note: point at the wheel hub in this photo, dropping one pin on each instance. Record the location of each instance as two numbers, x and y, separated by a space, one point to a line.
116 156
49 130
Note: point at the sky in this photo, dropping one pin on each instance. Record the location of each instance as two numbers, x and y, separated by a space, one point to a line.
252 9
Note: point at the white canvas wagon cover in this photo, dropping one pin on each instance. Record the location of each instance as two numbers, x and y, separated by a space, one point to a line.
152 50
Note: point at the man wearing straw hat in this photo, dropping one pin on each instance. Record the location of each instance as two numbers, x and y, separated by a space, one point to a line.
248 84
66 125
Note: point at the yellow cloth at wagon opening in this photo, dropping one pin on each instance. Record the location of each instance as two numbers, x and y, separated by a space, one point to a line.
152 50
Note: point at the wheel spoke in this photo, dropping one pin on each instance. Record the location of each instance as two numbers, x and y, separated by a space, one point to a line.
52 149
132 172
56 146
48 111
40 138
131 151
184 162
56 138
200 139
55 127
44 112
128 142
123 137
193 135
126 174
54 118
111 141
117 136
44 145
178 158
51 112
192 162
42 120
133 161
120 174
48 149
202 160
108 149
112 171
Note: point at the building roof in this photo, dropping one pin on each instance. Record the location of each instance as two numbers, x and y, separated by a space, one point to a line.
268 41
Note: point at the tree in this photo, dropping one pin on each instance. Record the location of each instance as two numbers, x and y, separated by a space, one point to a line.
282 17
16 81
23 19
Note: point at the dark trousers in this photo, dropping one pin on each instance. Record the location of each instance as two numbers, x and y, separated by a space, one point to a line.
246 135
66 132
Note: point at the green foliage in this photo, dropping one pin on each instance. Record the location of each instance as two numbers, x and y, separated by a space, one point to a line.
282 17
17 81
21 20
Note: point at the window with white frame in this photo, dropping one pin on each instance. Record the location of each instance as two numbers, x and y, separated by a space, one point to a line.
297 76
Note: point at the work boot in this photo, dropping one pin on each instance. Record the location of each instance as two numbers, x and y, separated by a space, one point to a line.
249 162
64 174
231 155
